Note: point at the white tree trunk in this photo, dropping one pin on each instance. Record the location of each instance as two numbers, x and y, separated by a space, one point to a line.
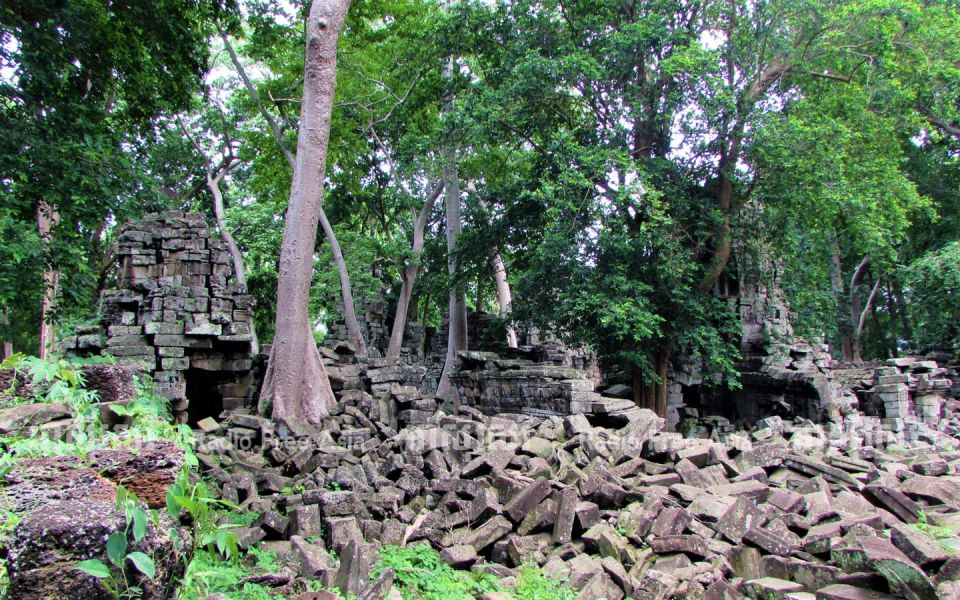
457 336
504 298
346 290
239 268
47 219
410 273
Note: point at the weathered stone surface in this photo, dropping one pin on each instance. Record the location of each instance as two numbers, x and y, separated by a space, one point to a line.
147 470
566 511
460 556
50 540
530 496
671 521
771 588
876 554
689 544
768 541
921 549
893 500
740 518
842 591
17 418
481 537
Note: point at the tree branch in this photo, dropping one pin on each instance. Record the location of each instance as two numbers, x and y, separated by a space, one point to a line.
252 90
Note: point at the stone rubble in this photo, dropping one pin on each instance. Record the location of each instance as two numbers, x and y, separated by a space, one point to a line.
615 508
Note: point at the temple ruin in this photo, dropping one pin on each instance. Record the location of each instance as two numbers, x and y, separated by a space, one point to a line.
176 309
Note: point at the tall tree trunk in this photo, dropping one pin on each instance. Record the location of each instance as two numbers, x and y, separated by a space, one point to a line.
299 389
651 393
642 390
855 313
662 385
843 302
862 320
504 298
239 268
410 272
457 336
5 321
897 293
47 219
732 146
884 334
893 325
722 234
346 290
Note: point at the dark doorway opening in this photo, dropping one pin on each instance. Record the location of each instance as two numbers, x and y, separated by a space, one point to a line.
203 392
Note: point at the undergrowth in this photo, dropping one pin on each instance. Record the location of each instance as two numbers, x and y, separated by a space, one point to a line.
420 573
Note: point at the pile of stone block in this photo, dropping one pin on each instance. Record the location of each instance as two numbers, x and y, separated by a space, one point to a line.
613 512
175 309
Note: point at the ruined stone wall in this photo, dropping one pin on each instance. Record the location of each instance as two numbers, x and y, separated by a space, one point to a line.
176 309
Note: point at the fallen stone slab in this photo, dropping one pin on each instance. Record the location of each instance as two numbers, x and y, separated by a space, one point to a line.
147 469
601 586
740 518
481 537
526 499
920 548
17 418
818 468
566 512
753 489
313 558
461 556
771 588
688 544
48 542
768 541
811 575
671 521
945 490
894 501
875 554
842 591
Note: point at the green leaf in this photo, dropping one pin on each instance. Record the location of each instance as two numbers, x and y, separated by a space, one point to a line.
191 506
117 547
139 524
144 564
94 567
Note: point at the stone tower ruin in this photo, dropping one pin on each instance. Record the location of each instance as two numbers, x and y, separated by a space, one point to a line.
176 310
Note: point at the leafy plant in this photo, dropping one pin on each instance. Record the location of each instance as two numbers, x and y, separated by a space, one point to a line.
532 584
115 580
420 573
208 574
201 506
945 536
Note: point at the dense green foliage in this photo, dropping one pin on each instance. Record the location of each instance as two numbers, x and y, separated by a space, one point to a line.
635 164
933 282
